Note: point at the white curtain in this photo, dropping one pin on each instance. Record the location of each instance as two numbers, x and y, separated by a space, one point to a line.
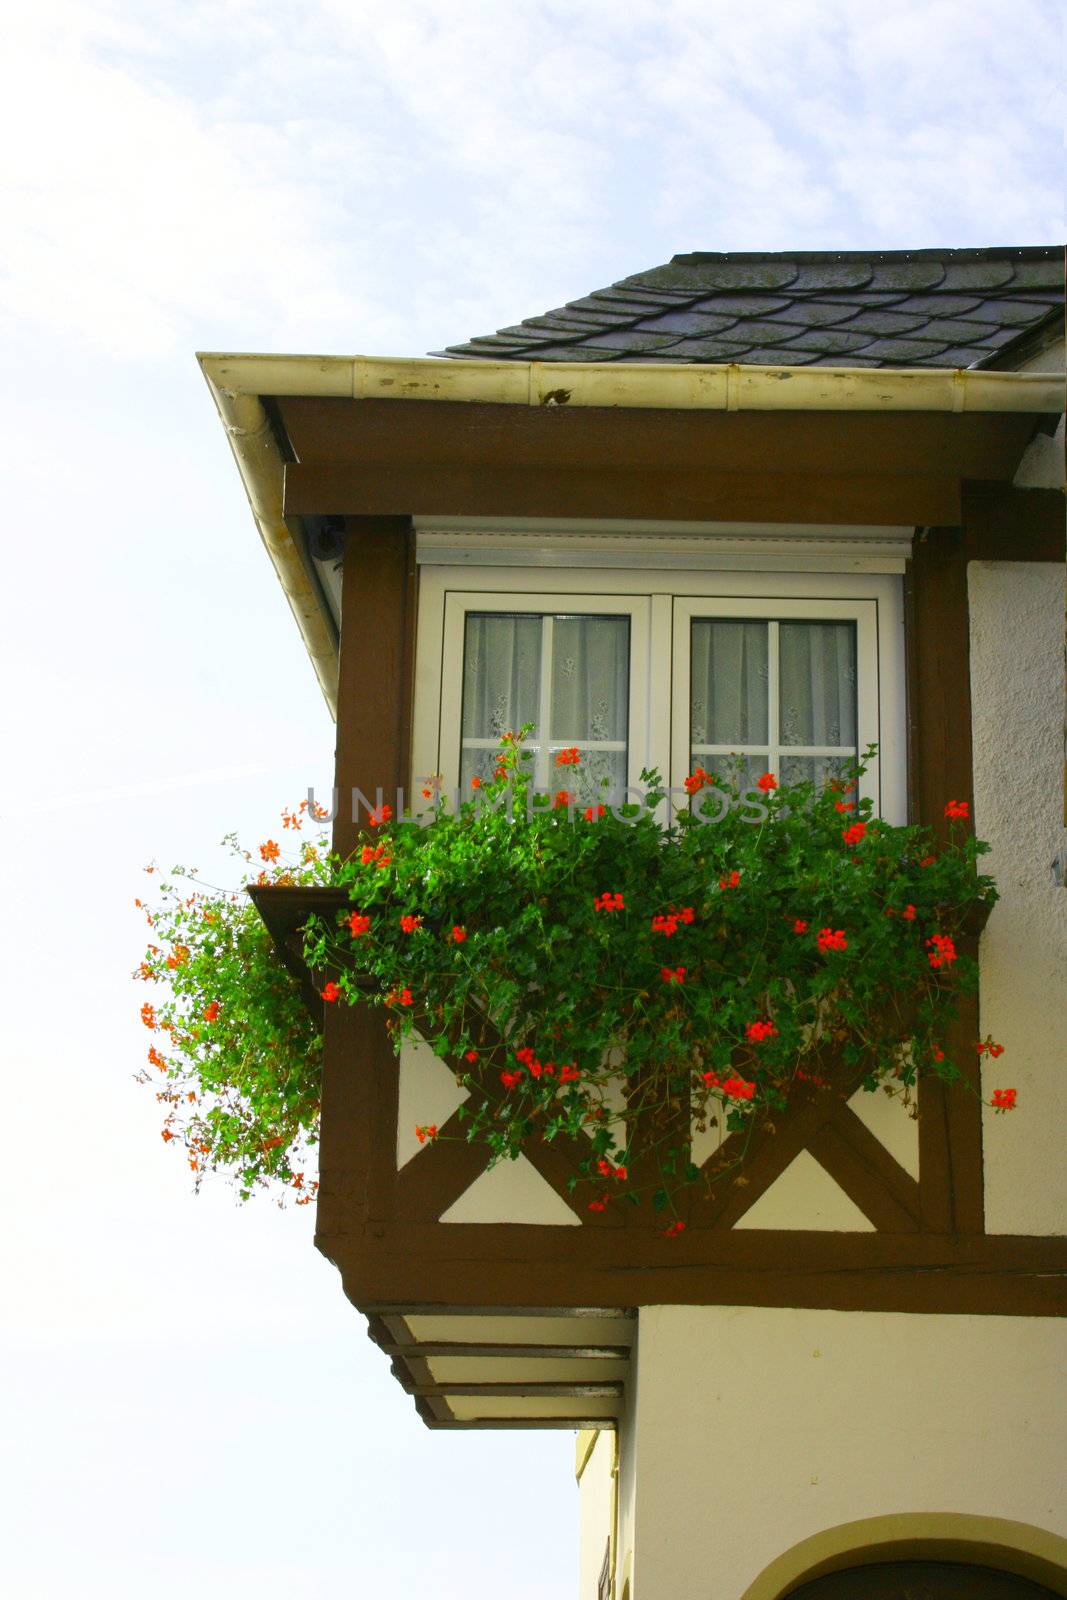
587 659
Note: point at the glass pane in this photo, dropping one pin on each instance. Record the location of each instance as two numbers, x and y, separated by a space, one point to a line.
501 674
590 679
817 769
731 772
817 675
729 683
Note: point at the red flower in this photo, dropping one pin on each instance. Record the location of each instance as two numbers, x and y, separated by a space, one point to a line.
470 1055
696 780
739 1088
403 998
943 951
426 794
458 934
927 861
667 925
767 782
844 805
270 851
987 1045
799 926
568 758
511 1080
599 1205
621 1174
332 991
476 783
672 974
166 1136
1004 1099
593 813
855 833
410 924
569 1074
958 808
358 924
908 913
429 1131
211 1012
563 798
379 816
148 1016
756 1032
609 901
676 1227
831 939
939 1055
731 882
711 1079
156 1059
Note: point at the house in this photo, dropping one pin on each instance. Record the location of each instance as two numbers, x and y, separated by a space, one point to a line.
785 505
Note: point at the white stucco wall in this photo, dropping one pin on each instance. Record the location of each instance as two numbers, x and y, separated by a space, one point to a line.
1017 689
755 1429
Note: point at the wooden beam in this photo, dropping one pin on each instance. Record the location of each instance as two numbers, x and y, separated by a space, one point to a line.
1002 523
512 1266
384 490
584 438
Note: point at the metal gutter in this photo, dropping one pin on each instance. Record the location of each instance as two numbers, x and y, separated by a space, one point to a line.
260 464
667 386
237 383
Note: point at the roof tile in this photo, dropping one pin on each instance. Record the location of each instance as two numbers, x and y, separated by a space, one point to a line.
692 322
693 276
830 341
937 308
904 352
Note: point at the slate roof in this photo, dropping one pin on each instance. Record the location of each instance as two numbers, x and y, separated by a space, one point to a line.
893 308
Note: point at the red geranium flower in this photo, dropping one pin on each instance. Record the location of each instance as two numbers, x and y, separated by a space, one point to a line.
855 833
756 1032
211 1011
458 934
332 991
958 808
1004 1099
270 851
831 939
767 782
609 901
672 974
358 924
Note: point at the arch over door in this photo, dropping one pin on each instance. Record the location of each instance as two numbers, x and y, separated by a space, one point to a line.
921 1580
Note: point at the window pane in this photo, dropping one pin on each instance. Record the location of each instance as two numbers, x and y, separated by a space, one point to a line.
590 679
817 769
729 678
501 674
818 683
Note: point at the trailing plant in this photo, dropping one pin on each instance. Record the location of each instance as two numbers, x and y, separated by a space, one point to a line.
573 960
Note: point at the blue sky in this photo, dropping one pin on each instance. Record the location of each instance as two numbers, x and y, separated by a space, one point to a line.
195 1408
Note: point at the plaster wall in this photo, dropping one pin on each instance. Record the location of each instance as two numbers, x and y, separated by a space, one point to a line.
1017 687
759 1429
597 1487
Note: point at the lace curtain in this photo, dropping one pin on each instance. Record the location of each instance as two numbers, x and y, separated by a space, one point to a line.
581 663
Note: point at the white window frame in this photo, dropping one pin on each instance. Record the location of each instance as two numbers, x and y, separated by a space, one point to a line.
661 605
773 609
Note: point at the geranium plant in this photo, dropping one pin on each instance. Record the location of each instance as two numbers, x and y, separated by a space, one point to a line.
607 975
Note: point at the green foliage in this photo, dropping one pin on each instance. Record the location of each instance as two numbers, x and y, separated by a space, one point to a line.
568 960
236 1058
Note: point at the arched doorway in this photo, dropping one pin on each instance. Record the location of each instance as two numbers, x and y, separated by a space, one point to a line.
921 1580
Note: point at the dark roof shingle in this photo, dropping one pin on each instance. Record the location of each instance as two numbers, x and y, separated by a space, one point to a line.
903 308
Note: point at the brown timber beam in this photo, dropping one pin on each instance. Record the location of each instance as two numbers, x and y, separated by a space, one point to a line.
386 490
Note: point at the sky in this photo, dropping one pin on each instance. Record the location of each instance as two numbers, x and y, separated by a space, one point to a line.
190 1406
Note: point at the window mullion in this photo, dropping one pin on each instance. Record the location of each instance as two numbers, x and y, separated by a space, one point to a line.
545 709
773 705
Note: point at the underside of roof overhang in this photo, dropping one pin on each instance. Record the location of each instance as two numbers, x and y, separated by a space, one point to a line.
320 441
